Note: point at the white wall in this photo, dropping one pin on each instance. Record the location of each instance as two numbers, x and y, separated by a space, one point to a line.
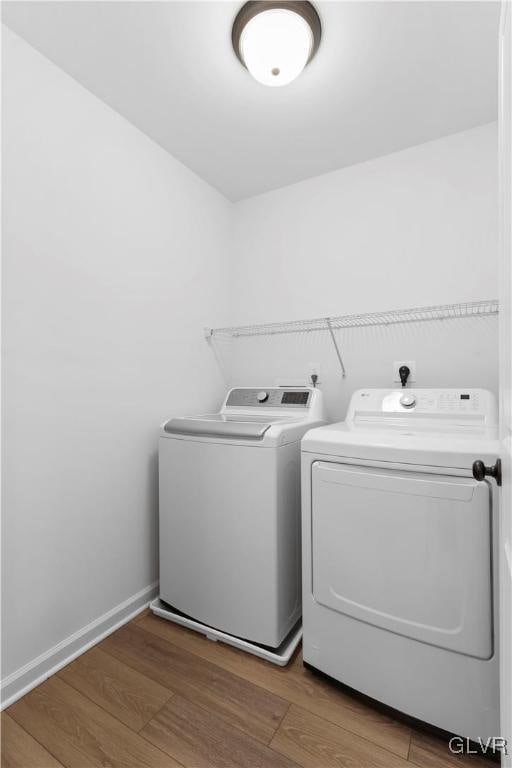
115 257
414 228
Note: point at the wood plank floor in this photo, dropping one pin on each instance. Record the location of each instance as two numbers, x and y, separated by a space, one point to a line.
155 695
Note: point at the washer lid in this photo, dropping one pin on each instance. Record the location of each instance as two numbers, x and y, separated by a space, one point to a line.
244 427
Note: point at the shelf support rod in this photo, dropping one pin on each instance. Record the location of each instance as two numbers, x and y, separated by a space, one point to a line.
337 349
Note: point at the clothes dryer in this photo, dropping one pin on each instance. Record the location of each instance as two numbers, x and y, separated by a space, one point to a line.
399 554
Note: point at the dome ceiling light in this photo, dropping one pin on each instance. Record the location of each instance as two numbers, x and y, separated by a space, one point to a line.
275 40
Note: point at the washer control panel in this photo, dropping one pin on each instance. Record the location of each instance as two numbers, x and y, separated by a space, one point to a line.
461 405
274 397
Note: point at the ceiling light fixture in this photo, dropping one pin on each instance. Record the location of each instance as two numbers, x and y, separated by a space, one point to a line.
275 40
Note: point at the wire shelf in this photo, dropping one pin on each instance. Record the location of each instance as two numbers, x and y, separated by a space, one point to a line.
390 317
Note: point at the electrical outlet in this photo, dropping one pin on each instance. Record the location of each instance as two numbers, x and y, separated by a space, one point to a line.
313 370
411 364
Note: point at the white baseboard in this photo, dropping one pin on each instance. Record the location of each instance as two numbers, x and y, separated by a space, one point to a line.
20 682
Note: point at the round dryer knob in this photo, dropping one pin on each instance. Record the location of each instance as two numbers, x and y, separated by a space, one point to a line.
408 401
262 396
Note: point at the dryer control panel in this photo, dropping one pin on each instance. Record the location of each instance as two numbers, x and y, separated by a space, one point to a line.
460 406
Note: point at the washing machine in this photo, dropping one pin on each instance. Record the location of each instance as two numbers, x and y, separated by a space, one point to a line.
399 554
230 518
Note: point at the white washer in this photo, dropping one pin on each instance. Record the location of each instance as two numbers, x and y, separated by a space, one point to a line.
399 566
230 518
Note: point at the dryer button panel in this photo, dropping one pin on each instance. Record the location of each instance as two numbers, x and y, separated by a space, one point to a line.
463 405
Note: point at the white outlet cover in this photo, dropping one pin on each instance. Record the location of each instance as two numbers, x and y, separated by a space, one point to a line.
411 364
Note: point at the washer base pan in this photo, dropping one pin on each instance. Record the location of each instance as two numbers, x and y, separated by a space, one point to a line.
280 656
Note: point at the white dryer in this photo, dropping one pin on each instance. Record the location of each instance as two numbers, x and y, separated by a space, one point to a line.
399 540
230 518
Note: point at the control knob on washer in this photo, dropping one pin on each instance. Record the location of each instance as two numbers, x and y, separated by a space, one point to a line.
408 401
262 396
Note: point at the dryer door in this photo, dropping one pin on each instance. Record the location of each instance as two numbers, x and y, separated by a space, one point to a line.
408 552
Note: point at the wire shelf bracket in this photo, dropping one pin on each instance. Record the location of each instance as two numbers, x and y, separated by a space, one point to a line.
363 320
336 347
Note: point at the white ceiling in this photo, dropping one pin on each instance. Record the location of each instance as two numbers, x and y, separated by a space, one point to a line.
388 75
